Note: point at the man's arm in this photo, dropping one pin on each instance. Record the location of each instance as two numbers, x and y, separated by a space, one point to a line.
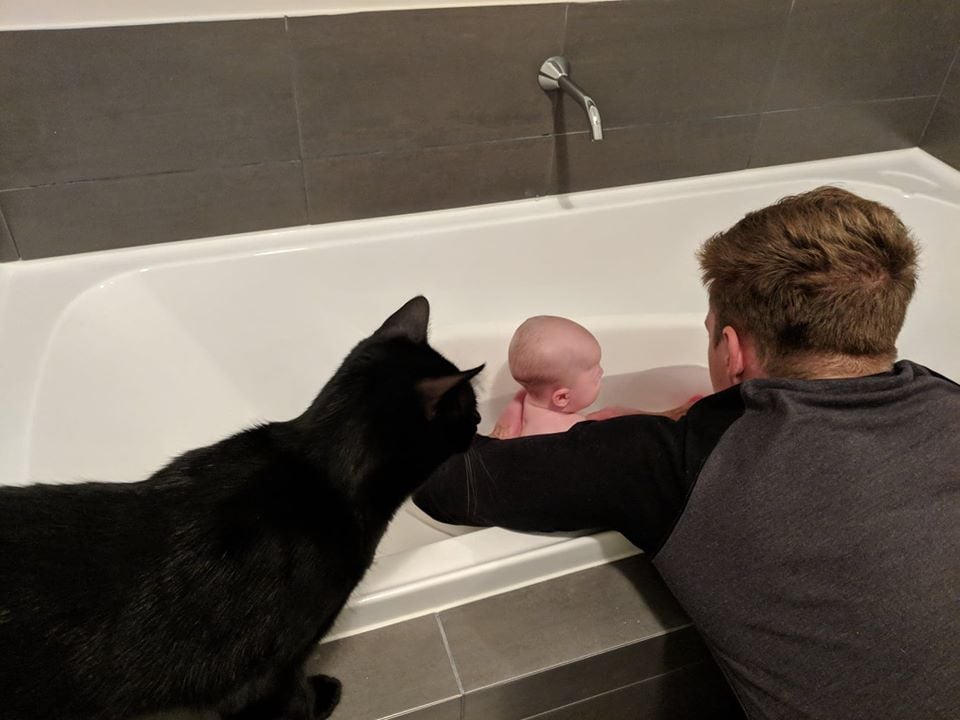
632 474
627 474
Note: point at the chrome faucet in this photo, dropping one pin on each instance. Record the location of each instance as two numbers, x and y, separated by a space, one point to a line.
555 75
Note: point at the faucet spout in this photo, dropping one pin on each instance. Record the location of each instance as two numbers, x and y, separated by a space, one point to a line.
555 75
587 103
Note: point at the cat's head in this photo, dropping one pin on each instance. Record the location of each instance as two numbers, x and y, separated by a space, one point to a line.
402 402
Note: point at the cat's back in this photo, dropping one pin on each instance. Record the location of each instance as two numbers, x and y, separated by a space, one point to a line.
128 581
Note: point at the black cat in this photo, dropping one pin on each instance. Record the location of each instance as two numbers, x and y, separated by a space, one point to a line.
207 585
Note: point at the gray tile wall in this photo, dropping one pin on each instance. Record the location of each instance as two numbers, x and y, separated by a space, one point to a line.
607 642
942 137
111 137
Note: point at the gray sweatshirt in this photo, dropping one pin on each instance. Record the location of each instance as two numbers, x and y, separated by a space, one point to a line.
811 530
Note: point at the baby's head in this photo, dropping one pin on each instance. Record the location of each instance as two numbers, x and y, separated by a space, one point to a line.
557 361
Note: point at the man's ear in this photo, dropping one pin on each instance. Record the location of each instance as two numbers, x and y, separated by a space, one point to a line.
743 359
732 354
560 397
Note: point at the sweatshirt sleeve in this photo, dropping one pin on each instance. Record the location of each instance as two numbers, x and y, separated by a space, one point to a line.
631 474
624 474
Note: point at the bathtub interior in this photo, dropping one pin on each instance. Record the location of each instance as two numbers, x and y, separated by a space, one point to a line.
152 351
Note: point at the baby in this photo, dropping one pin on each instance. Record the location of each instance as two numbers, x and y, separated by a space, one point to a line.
557 362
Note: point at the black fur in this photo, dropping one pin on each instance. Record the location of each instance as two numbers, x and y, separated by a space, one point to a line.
207 585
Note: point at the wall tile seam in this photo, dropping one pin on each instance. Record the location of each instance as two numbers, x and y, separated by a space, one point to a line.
583 658
412 150
528 138
771 84
847 103
501 141
13 240
295 89
162 173
943 87
682 668
679 120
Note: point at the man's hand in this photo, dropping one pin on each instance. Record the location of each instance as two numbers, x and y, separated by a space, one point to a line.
613 411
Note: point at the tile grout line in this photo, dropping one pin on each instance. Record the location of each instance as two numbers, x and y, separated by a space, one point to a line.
499 141
453 664
3 221
682 668
939 96
296 113
772 83
160 173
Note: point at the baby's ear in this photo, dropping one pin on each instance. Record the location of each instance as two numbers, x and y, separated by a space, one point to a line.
561 397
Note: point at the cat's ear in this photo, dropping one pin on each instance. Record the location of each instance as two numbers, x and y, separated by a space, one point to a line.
409 322
431 390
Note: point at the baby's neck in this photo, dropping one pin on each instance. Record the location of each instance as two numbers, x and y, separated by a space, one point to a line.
538 419
543 404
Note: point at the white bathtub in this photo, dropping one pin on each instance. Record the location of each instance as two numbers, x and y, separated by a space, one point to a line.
112 363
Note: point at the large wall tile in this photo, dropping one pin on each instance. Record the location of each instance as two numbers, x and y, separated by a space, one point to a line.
409 79
842 50
653 60
815 133
942 138
8 250
388 671
356 186
104 214
109 102
693 693
653 152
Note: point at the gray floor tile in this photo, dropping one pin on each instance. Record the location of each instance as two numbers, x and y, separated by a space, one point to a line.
653 152
864 50
397 669
108 102
558 686
8 251
447 710
559 621
655 61
423 78
105 214
692 693
357 186
815 133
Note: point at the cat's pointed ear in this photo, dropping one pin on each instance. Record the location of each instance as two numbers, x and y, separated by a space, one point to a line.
431 390
410 321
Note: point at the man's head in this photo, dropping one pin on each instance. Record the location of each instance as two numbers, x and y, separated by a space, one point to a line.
816 285
557 361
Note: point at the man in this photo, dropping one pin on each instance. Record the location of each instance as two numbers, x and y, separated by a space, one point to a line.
806 515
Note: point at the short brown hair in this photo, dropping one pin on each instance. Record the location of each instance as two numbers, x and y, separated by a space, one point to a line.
824 273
